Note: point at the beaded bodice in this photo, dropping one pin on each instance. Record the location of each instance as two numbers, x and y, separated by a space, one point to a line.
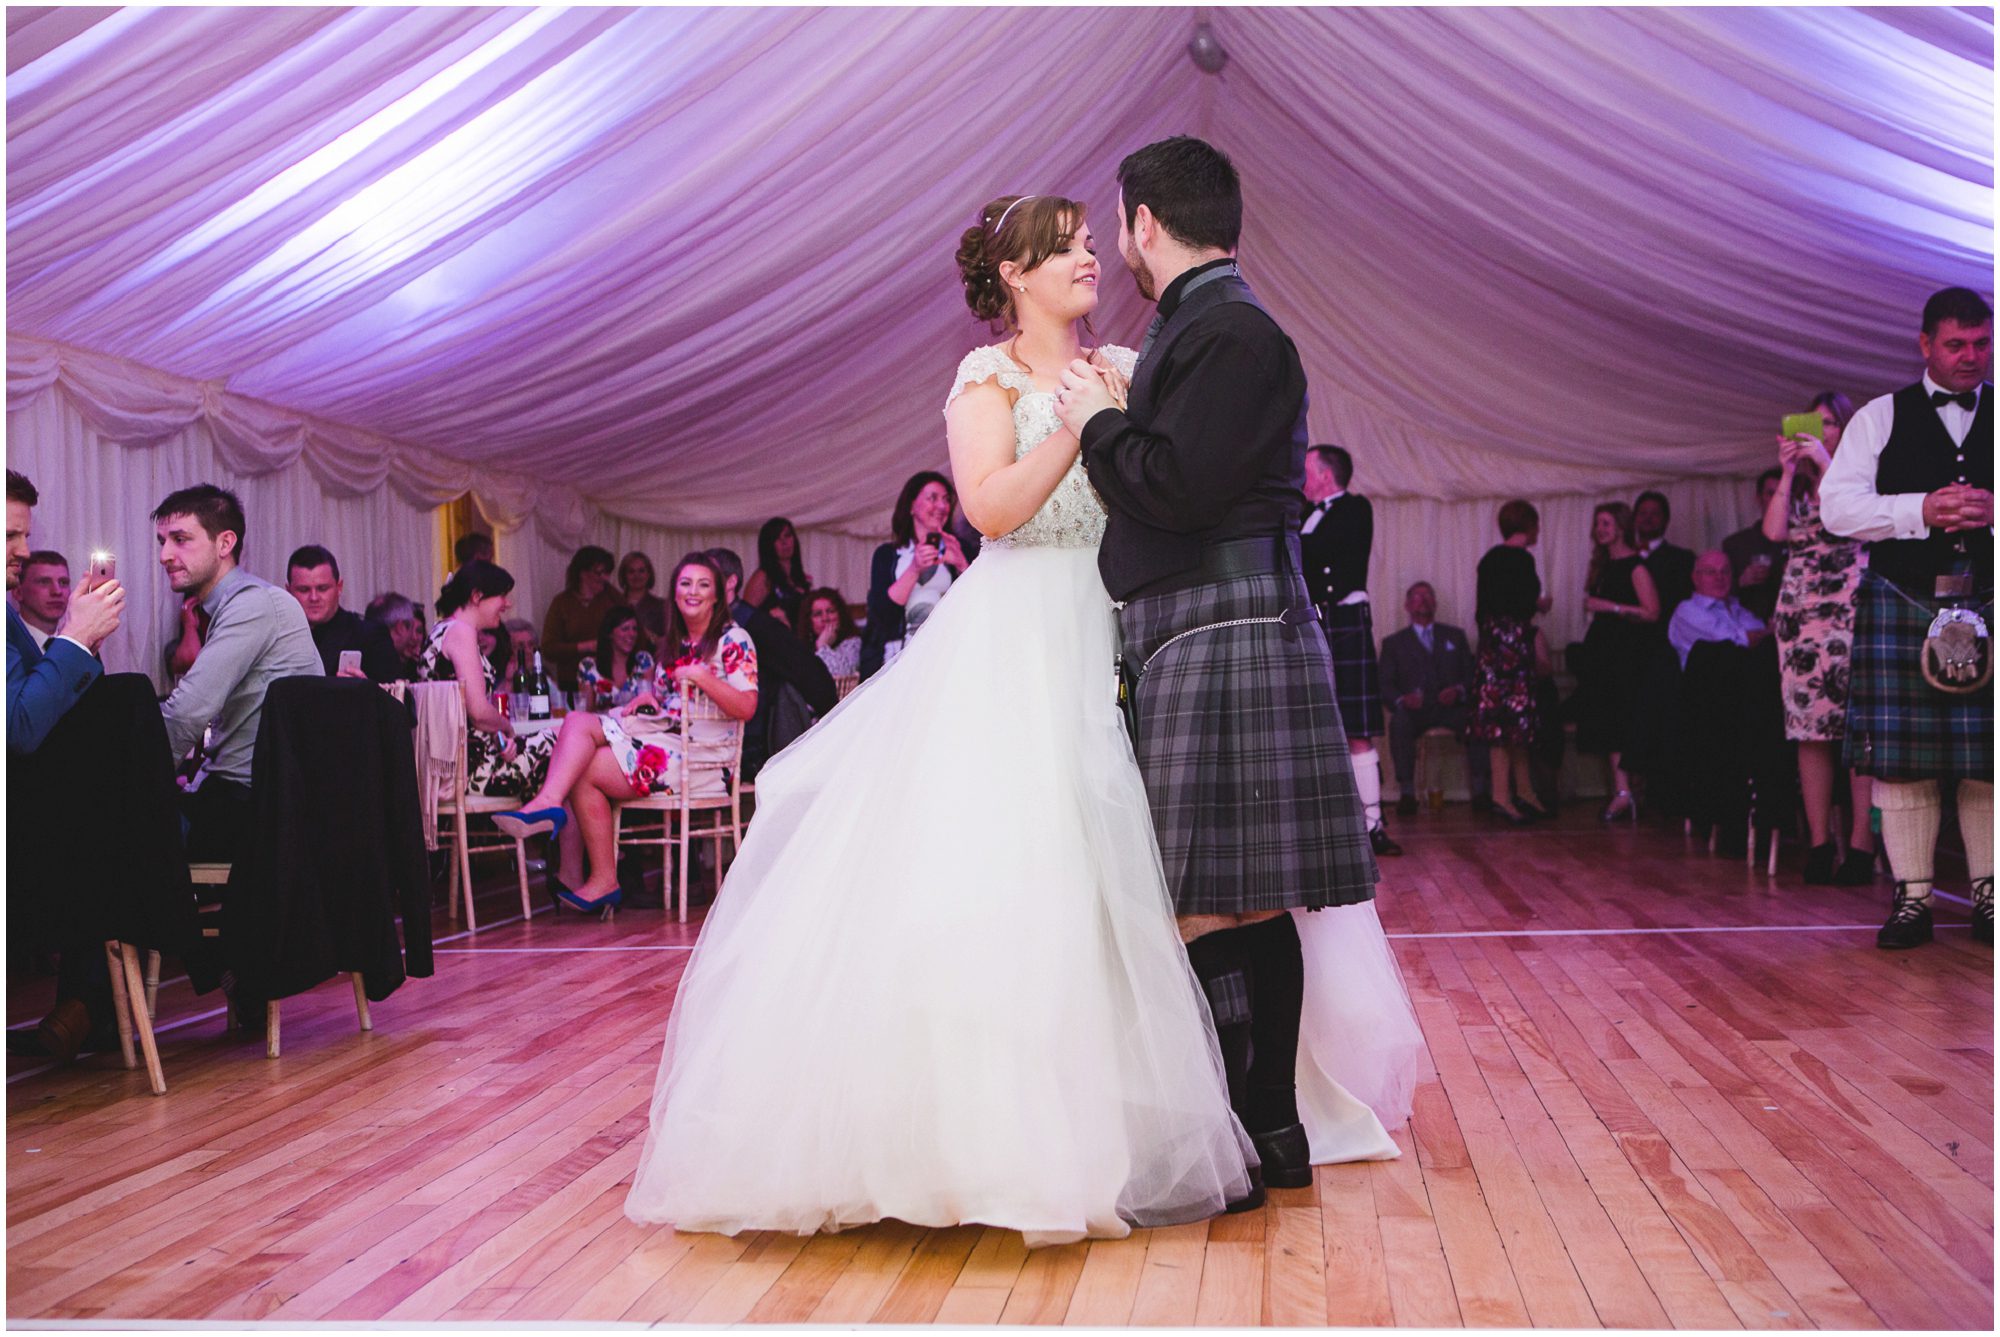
1072 517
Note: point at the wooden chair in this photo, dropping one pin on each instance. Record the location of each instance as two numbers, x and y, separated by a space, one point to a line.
217 875
679 808
135 995
845 683
1428 782
441 710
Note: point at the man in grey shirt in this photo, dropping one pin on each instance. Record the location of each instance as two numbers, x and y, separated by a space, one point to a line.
257 633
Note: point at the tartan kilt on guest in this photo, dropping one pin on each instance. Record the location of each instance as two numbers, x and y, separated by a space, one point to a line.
1240 743
1357 677
1899 727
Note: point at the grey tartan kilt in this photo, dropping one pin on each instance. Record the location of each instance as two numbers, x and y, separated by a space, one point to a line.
1899 727
1357 679
1240 744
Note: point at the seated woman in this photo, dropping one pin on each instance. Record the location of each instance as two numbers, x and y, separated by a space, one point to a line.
829 629
635 750
617 646
780 580
636 580
470 609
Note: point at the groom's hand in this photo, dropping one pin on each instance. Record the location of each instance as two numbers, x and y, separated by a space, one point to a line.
1083 396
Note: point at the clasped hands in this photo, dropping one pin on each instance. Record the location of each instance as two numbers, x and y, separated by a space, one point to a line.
1958 506
1088 390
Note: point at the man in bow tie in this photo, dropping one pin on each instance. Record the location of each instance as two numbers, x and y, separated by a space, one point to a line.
1335 539
1914 477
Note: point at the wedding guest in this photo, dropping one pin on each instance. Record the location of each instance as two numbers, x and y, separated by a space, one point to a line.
499 761
790 671
569 630
780 580
617 642
1712 612
1504 713
635 582
312 576
257 633
1757 561
44 680
43 595
1670 566
519 640
1914 480
474 547
400 617
829 629
635 749
1814 627
1427 678
1335 540
908 575
1619 595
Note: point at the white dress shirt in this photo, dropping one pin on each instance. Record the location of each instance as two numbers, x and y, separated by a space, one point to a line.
1849 505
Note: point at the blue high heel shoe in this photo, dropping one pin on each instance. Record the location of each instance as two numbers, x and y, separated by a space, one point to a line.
608 904
521 824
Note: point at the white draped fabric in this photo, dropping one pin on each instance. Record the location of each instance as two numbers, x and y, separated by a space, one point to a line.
648 274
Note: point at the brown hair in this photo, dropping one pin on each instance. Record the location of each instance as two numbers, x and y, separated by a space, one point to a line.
1027 229
1621 514
848 631
679 633
1518 517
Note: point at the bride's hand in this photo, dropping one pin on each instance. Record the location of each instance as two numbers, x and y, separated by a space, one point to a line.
1119 384
1084 395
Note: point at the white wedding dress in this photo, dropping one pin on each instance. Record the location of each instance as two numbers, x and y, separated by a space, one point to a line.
942 982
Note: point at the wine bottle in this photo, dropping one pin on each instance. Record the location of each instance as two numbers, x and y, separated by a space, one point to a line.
538 692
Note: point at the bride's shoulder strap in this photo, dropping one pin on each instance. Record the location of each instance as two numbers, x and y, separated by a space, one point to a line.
988 363
1121 359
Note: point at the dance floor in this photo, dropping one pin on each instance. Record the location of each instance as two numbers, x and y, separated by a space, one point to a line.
1663 1092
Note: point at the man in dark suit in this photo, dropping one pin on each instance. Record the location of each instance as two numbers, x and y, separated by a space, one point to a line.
1335 539
1427 672
1670 566
312 575
1757 563
42 687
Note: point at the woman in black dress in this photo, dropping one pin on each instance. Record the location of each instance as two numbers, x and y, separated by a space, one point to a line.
1623 603
1504 714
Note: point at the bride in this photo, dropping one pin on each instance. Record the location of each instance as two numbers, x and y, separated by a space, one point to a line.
943 982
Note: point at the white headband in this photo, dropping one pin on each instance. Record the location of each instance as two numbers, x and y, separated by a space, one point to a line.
1010 209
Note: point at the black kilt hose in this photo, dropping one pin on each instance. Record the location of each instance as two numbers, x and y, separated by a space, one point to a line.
1240 741
1899 727
1357 675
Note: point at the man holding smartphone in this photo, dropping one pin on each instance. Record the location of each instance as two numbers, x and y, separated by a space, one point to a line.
350 646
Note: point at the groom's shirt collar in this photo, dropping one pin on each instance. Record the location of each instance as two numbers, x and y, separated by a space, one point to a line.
1171 298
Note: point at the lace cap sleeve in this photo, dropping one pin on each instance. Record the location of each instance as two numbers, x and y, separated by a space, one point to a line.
981 365
1122 359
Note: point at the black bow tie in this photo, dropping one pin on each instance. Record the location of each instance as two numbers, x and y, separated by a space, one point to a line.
1967 399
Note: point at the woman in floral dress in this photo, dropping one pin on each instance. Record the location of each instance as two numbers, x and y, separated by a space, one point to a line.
635 749
1814 626
498 761
1503 712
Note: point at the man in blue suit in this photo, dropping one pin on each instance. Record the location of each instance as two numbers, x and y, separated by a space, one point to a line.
42 685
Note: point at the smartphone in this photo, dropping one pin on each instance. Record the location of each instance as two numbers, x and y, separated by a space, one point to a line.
1802 424
350 661
103 566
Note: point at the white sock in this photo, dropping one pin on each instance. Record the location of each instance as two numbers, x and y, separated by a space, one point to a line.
1368 782
1975 825
1910 817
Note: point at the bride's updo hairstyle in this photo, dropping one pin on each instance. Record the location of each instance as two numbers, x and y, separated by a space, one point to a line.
1026 229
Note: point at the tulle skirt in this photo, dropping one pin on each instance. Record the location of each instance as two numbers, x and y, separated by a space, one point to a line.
942 982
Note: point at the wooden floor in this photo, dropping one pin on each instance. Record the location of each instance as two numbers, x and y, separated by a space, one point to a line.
1664 1092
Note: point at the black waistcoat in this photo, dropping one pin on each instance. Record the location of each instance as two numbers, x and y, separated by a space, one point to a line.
1133 553
1920 457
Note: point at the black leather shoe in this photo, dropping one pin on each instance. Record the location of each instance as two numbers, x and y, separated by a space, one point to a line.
1286 1155
1909 924
1982 911
1856 870
1819 866
1406 806
1379 841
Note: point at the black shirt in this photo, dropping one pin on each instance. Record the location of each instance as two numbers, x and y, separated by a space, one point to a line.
1508 584
1219 451
351 631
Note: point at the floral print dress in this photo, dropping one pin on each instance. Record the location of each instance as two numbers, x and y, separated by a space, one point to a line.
648 747
488 770
1814 624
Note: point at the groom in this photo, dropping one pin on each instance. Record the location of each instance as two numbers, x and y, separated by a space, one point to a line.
1237 734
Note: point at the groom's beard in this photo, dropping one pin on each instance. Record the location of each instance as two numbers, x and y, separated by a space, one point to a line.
1142 276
